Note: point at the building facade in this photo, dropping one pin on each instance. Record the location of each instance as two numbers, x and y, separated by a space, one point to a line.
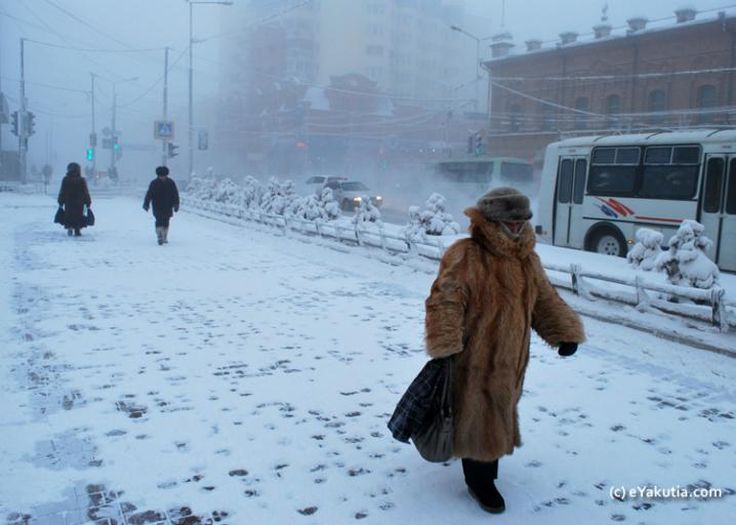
677 74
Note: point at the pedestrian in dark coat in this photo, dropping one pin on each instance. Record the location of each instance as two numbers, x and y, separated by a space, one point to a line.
74 196
490 293
164 196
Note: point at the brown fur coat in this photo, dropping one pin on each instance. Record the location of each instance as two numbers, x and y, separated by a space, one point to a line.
490 292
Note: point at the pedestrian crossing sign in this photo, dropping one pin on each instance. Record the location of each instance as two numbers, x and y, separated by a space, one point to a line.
163 130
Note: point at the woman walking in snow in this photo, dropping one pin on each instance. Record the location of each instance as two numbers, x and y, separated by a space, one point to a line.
164 196
74 196
490 292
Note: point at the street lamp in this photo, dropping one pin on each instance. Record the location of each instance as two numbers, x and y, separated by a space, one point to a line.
191 75
113 149
478 40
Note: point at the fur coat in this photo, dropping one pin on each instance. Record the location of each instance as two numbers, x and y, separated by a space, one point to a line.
490 292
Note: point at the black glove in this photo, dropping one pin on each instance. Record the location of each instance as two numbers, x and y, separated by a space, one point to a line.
145 207
567 349
176 209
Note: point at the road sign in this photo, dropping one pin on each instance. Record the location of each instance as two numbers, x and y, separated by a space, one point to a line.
163 129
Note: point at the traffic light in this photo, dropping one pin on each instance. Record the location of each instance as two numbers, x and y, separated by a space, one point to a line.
30 123
478 144
90 154
172 150
16 128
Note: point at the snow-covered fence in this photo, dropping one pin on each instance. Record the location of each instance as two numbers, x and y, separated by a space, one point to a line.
708 305
358 234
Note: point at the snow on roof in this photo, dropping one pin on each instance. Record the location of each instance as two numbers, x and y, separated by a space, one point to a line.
618 33
316 99
692 136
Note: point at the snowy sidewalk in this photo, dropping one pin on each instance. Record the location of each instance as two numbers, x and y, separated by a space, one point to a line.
239 377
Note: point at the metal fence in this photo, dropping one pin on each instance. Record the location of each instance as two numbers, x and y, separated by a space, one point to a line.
711 305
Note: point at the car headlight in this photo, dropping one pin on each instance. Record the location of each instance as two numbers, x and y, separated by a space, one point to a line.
379 198
357 199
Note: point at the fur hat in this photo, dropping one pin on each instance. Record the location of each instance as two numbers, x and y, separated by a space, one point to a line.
505 204
162 171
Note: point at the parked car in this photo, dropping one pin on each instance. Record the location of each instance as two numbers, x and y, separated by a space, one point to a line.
349 193
317 182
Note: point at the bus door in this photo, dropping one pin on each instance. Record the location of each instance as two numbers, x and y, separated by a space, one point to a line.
571 177
718 209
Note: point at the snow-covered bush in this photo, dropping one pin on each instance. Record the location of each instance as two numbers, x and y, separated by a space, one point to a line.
279 197
432 220
686 263
366 212
227 192
202 188
252 192
330 207
647 249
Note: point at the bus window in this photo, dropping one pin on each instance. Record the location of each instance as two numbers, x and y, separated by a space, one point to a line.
686 155
564 181
612 180
604 155
658 156
669 182
516 170
713 184
579 185
731 197
627 155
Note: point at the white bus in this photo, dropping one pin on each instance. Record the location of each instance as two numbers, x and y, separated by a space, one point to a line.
597 191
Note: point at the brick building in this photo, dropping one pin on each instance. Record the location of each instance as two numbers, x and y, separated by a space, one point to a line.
673 74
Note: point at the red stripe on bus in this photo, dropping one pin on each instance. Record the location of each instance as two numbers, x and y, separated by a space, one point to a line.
617 206
631 212
643 218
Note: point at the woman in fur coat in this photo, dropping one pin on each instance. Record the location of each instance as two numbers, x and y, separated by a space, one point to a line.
490 293
74 196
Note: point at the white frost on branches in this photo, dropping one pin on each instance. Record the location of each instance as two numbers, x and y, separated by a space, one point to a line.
366 212
647 249
432 220
686 263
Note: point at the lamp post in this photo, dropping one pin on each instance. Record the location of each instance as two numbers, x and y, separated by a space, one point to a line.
115 145
478 40
190 132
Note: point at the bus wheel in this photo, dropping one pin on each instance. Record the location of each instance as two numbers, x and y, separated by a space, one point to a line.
608 241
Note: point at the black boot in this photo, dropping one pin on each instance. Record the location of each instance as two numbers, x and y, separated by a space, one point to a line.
480 476
69 232
77 232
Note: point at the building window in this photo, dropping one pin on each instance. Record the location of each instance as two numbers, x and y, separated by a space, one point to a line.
581 120
515 120
656 105
613 111
707 101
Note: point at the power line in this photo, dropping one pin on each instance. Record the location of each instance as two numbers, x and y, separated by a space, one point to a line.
94 49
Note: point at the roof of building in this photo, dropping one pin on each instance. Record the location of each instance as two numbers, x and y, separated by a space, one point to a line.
618 34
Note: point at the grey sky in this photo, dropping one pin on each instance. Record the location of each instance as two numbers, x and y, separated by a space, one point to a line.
135 24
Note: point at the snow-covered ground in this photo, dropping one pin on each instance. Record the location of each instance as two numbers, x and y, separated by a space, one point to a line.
243 377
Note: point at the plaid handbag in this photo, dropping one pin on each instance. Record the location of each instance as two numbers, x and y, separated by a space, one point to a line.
434 439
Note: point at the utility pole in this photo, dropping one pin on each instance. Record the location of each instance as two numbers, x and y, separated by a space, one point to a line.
164 152
113 149
3 106
190 128
93 134
22 118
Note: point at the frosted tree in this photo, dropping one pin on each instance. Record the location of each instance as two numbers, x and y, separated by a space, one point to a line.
252 192
227 192
686 262
309 208
366 212
432 220
279 197
647 249
330 207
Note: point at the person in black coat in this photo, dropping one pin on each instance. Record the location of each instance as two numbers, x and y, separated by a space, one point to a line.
164 196
74 196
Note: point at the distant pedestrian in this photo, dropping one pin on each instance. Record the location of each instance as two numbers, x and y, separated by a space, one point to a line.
164 196
74 196
490 293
